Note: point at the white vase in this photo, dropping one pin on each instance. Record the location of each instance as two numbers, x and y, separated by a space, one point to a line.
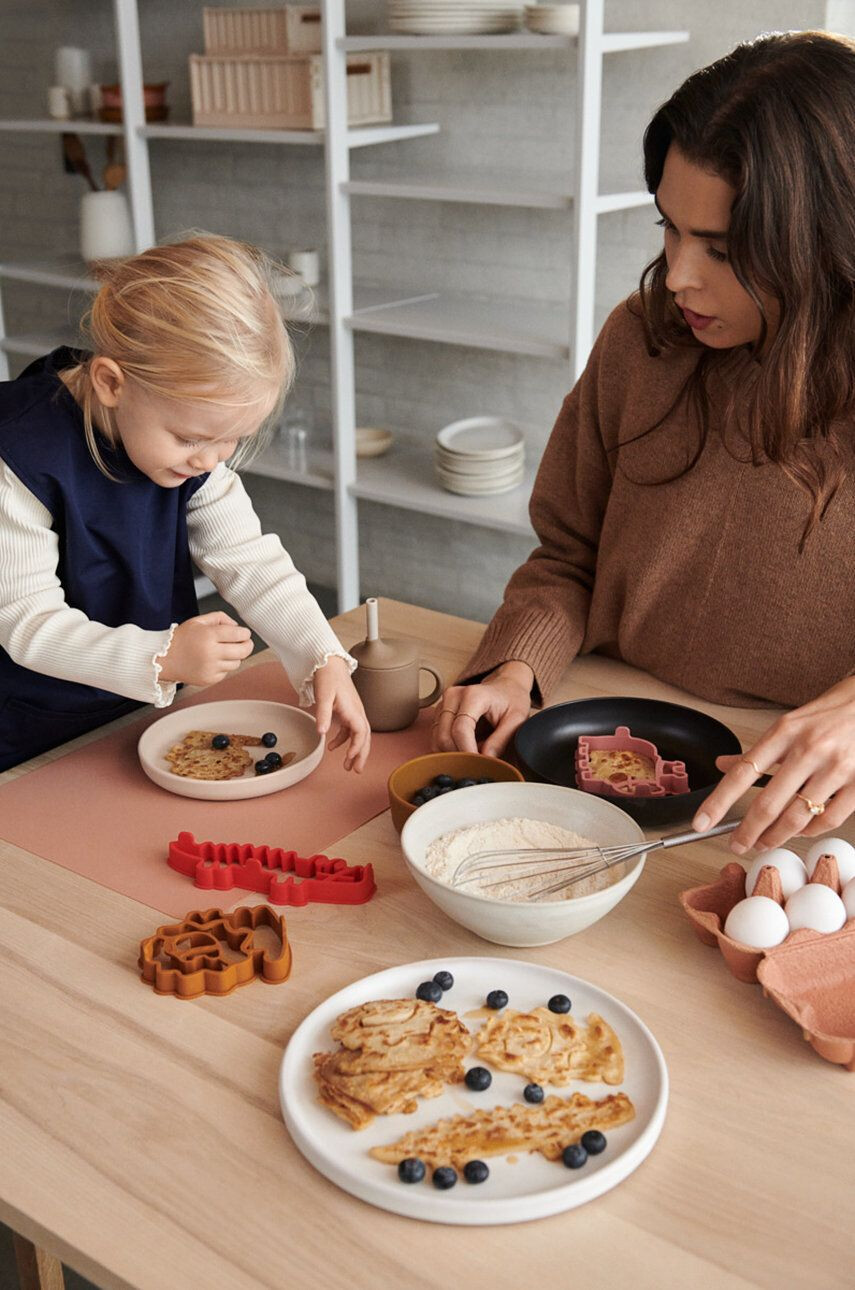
106 228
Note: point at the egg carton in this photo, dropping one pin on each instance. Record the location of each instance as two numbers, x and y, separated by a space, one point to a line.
809 975
669 779
210 952
282 876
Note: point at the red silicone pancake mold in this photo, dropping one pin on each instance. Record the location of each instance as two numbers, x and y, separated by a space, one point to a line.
222 866
669 776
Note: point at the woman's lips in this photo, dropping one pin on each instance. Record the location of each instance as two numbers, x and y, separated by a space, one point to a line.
697 322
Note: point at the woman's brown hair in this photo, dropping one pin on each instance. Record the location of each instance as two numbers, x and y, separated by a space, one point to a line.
775 119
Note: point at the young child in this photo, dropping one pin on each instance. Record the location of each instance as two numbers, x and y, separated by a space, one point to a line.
695 502
113 479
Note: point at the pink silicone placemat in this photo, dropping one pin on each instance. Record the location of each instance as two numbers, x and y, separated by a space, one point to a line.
94 811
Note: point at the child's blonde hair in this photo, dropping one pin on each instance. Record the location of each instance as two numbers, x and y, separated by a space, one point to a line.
193 320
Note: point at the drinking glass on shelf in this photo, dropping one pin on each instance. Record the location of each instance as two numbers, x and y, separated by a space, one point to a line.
295 433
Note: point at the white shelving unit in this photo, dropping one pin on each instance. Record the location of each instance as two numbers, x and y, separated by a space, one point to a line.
562 334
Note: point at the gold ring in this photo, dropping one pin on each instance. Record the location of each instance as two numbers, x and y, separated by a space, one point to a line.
466 714
815 808
451 711
752 764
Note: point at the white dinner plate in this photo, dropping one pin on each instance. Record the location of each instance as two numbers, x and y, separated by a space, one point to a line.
518 1189
295 731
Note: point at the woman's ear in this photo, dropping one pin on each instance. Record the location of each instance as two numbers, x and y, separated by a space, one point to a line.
108 381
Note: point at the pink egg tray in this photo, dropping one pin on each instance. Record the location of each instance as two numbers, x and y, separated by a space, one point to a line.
282 876
810 975
669 777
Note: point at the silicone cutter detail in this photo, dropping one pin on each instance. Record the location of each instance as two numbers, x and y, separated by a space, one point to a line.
669 776
222 866
210 952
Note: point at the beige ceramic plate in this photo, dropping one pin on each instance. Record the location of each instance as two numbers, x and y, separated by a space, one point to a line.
295 730
373 443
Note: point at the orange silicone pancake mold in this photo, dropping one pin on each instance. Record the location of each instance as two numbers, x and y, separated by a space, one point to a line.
222 866
810 975
669 779
210 952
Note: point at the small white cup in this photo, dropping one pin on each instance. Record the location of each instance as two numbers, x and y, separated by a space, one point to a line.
307 264
59 107
106 228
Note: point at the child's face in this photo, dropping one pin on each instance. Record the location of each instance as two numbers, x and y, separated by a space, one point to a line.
171 441
695 206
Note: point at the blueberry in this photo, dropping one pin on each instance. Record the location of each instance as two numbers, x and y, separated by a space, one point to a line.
444 980
486 780
594 1142
411 1170
497 999
418 799
429 991
466 783
429 793
559 1003
444 1177
478 1078
475 1171
269 739
220 741
533 1093
263 767
448 789
574 1156
443 781
273 759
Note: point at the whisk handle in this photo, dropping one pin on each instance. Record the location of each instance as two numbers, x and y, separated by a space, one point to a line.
680 839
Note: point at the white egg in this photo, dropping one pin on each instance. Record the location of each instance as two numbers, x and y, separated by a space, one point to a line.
816 906
849 898
788 864
757 921
843 851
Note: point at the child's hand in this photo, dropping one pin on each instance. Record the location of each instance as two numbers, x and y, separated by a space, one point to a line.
205 649
335 694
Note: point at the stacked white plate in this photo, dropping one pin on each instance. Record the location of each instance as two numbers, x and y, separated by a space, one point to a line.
480 455
553 19
453 17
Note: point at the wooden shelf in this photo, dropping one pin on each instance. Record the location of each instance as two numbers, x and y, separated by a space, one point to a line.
359 137
510 326
278 463
405 478
57 271
47 125
613 41
492 188
35 344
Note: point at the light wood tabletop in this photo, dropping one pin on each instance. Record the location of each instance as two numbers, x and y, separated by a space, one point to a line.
142 1140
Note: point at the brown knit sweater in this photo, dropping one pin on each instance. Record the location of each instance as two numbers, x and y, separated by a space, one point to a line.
698 581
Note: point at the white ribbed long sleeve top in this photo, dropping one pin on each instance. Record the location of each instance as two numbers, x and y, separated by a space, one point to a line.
250 569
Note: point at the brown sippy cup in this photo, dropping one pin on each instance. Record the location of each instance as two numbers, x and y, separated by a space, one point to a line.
387 678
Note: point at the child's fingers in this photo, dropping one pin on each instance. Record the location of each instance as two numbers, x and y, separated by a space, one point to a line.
241 650
232 632
216 619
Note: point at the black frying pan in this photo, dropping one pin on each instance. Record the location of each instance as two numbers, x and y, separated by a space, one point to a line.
545 748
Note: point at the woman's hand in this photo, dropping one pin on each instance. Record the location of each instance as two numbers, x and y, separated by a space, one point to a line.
205 650
813 748
503 697
335 696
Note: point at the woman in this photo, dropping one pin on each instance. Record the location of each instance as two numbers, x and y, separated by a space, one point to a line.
696 501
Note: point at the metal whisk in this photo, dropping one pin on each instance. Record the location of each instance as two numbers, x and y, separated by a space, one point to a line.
573 864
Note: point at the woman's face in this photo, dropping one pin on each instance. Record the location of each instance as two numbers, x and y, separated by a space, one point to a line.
695 206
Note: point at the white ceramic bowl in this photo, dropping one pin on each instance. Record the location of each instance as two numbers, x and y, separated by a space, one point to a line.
295 730
507 922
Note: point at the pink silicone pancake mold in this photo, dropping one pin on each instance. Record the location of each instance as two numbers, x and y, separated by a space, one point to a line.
670 776
222 866
809 975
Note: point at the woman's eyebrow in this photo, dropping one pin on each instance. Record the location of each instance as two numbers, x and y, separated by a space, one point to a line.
706 233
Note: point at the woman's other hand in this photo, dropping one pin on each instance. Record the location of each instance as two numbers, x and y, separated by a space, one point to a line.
503 697
813 748
336 697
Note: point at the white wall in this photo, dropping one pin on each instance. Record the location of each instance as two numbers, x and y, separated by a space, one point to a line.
504 111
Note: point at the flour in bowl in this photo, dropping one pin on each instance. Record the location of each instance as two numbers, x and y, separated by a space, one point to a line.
445 853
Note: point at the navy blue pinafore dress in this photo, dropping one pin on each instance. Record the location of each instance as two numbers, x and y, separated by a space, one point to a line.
123 552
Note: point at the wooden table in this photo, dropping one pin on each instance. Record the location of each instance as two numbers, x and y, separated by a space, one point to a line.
142 1141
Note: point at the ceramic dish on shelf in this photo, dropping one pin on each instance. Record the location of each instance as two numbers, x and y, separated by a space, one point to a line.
486 488
464 17
481 438
372 442
553 19
516 1190
295 732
